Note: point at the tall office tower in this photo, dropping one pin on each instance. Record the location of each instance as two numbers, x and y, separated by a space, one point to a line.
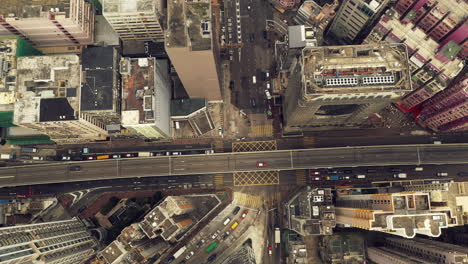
49 23
435 34
48 99
56 242
136 19
354 18
401 214
340 86
447 111
146 97
316 14
193 47
417 250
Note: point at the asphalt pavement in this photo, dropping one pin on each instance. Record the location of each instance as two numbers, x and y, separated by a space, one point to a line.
235 162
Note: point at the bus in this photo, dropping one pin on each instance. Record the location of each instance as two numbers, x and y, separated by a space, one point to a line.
211 247
101 157
179 252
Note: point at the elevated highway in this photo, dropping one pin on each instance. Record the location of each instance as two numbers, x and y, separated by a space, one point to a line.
235 162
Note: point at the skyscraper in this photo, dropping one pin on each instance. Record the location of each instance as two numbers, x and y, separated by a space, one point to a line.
401 214
355 16
435 34
447 110
340 86
192 46
134 20
417 250
49 23
56 242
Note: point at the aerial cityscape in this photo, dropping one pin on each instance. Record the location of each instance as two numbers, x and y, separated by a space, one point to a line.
233 132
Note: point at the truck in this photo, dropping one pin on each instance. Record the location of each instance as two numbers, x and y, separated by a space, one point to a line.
145 154
6 156
180 252
277 235
28 149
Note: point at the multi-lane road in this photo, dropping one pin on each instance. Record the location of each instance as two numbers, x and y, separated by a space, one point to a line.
235 162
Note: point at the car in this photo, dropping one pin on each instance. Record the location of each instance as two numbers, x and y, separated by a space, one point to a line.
91 158
226 221
215 234
270 251
211 258
226 235
189 255
396 170
442 174
284 21
316 178
265 34
200 243
170 260
116 156
252 37
66 158
361 176
244 214
26 157
371 170
253 103
129 155
345 177
236 210
314 172
261 164
400 175
75 168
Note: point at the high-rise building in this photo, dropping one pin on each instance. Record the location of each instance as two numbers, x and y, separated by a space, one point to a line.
58 242
435 34
193 47
402 214
135 20
311 212
417 250
340 86
316 14
448 109
354 18
48 98
49 23
146 97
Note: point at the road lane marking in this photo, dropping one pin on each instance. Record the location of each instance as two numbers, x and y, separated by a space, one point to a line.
292 163
6 177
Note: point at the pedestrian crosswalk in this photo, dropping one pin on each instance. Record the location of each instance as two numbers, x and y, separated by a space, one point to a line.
301 178
219 179
247 200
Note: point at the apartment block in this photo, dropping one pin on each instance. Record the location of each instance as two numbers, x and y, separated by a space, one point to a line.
311 212
48 23
417 250
57 242
354 18
48 92
193 48
401 214
435 60
447 111
135 20
341 86
146 97
443 21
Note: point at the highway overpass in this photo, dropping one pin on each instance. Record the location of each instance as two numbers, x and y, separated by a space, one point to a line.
235 162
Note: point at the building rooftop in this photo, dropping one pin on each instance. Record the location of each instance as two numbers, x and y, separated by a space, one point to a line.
34 8
55 109
356 69
189 24
186 107
112 252
125 6
417 39
99 79
46 77
318 12
7 73
301 36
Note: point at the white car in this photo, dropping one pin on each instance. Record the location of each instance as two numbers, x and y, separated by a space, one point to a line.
65 158
189 255
442 174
